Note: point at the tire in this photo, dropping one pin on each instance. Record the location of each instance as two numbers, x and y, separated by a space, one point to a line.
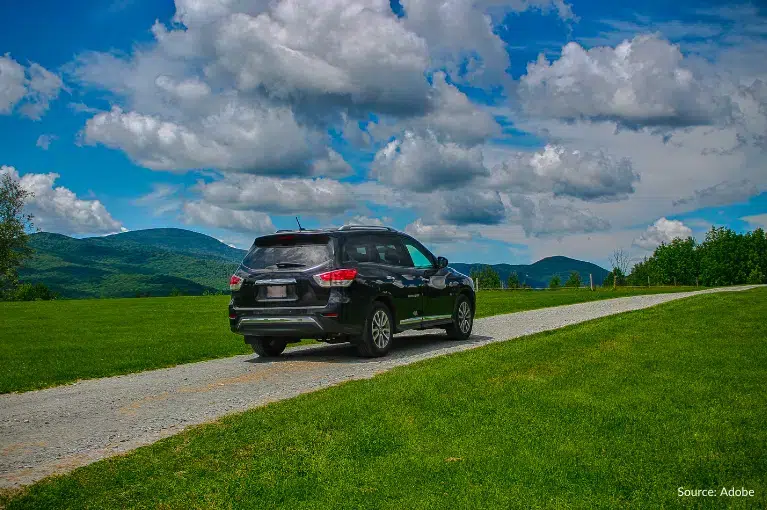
463 319
378 332
267 346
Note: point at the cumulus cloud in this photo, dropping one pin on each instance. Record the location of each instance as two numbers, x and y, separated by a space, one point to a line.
209 215
757 220
462 31
422 163
587 175
33 88
464 207
662 231
547 218
280 196
44 141
642 82
726 192
226 140
437 233
58 209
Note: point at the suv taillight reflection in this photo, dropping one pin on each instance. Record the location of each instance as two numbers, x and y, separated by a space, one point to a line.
337 278
235 282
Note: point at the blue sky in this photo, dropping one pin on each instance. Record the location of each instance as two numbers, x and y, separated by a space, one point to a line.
495 132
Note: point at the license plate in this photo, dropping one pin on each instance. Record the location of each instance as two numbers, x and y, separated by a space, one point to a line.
276 291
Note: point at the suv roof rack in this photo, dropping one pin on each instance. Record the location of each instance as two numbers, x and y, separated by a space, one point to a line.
366 227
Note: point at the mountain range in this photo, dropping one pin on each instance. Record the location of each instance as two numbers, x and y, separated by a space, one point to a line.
159 262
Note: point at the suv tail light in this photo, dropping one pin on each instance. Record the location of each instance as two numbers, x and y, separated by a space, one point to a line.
337 278
235 282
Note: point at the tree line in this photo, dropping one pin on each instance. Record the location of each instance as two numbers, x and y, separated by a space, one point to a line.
489 278
725 257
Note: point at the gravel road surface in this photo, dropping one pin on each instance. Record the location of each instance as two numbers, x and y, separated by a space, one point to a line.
59 429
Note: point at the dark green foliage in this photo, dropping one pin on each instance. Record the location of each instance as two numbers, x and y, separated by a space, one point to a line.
574 280
31 292
724 258
115 267
14 241
555 282
615 278
487 276
539 273
613 413
513 281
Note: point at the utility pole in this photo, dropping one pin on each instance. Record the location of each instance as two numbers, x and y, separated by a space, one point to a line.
591 281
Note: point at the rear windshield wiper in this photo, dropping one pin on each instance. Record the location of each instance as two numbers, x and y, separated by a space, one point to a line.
283 265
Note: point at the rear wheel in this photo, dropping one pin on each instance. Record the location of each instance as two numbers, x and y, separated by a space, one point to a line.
267 346
463 319
377 335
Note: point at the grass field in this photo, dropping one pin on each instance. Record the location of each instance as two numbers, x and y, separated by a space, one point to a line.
617 412
46 343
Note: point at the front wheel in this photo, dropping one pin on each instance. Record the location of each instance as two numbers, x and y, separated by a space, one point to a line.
463 319
266 346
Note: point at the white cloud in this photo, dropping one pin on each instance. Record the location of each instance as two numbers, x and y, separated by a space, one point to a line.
44 141
463 30
33 88
566 172
209 215
58 209
543 217
642 82
280 196
226 140
12 84
662 231
437 233
757 220
423 163
723 193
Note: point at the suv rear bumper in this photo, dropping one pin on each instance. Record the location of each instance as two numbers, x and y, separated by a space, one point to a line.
300 323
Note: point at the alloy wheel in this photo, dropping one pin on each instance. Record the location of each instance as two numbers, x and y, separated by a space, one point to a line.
381 329
464 317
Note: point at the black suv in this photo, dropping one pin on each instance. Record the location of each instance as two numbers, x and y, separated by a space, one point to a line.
351 284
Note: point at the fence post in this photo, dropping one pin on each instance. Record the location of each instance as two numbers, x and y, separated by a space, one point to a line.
477 283
648 280
591 282
696 282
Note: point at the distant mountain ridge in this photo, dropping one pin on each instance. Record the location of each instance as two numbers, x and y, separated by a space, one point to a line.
158 261
539 273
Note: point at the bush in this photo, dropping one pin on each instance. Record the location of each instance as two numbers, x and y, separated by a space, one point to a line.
574 280
554 282
30 292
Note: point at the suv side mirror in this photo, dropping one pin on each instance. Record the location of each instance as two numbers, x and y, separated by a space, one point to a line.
441 262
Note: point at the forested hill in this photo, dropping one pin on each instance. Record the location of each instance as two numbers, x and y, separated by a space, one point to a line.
153 262
539 273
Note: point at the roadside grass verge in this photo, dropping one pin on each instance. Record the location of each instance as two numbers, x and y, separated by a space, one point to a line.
616 412
47 343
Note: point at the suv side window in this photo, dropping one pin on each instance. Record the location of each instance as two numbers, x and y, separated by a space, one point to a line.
358 249
390 251
420 259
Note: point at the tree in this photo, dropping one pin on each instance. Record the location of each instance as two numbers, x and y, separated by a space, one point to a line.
554 282
620 260
487 276
513 281
574 280
14 241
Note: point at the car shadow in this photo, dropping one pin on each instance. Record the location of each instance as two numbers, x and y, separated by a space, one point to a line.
411 343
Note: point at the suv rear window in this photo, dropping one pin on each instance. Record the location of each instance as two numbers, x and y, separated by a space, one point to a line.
289 252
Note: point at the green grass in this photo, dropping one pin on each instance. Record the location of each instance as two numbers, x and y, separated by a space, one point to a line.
49 343
617 412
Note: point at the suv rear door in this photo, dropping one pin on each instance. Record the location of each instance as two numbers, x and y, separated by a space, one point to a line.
278 271
384 264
